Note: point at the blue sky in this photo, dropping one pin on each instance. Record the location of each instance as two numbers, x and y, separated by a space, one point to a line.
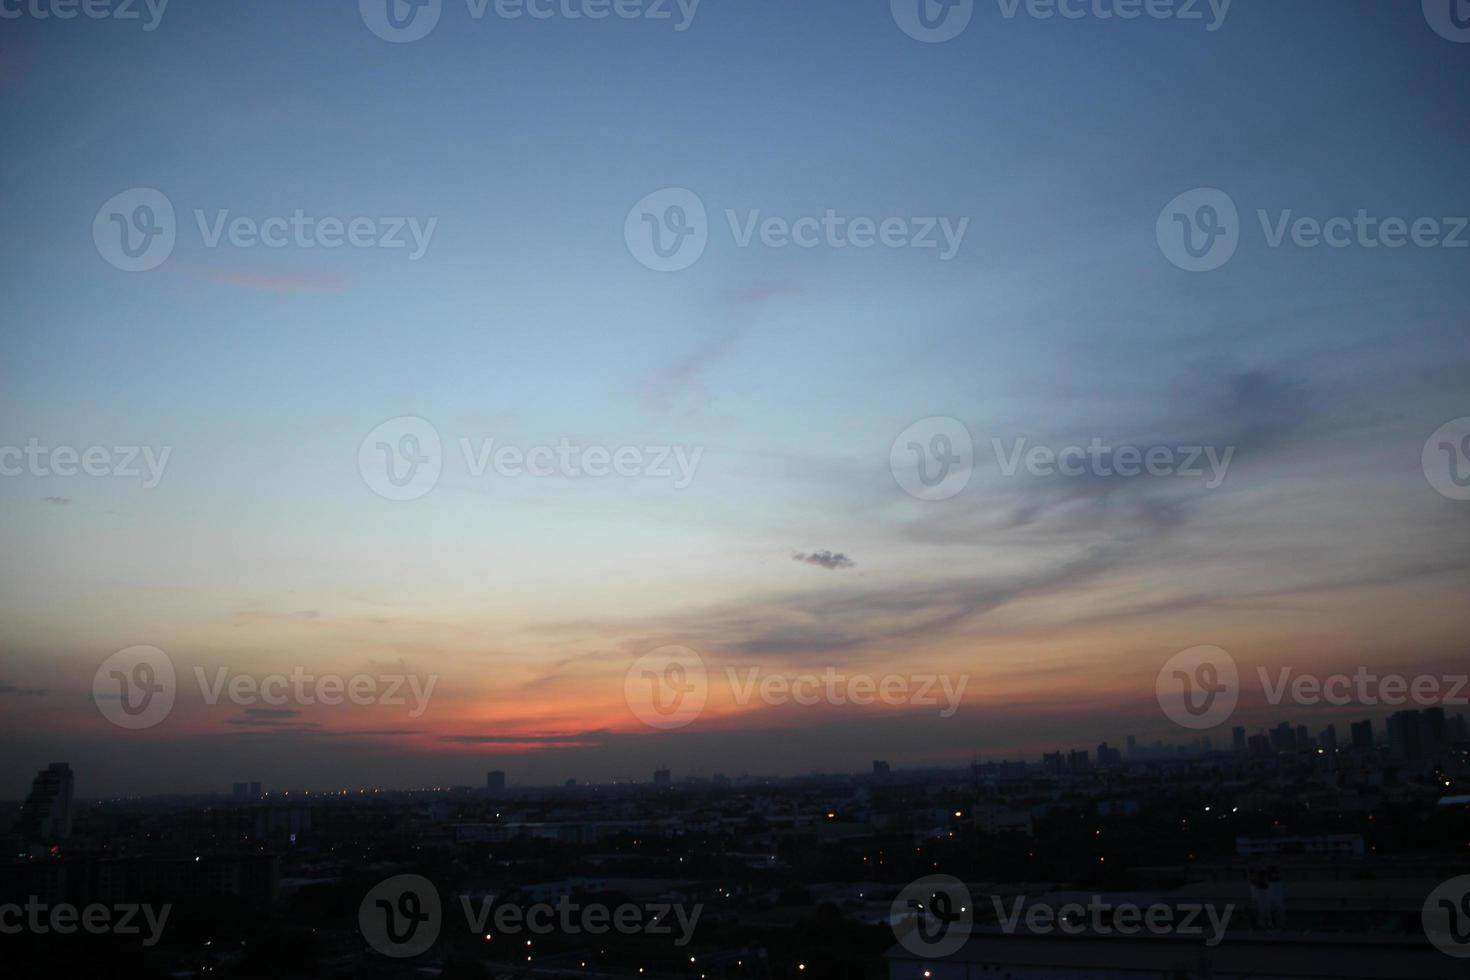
528 320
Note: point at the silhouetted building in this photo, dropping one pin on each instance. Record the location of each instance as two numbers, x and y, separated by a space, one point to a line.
662 777
1329 738
46 815
1406 735
880 769
1238 739
1363 735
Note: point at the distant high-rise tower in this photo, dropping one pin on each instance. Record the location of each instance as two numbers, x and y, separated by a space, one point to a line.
1329 738
1132 746
662 777
880 769
1363 735
1406 735
46 815
1238 734
495 781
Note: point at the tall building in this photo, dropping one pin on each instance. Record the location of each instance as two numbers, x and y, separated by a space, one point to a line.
1238 736
662 777
1132 746
1406 735
1329 738
880 769
46 815
495 781
1108 756
1436 731
1283 737
1363 735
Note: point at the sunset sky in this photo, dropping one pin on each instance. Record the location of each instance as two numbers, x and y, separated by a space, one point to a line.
528 321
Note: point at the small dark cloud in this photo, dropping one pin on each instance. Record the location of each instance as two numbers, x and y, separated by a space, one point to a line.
58 501
269 718
593 737
829 560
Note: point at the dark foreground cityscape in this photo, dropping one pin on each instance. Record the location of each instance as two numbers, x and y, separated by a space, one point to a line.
1285 855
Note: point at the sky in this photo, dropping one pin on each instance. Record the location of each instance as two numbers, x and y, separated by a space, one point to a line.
529 154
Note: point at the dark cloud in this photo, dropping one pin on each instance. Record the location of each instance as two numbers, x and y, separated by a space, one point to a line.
825 559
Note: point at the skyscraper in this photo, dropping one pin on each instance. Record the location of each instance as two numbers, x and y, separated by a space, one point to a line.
1406 735
1238 736
46 815
1363 735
